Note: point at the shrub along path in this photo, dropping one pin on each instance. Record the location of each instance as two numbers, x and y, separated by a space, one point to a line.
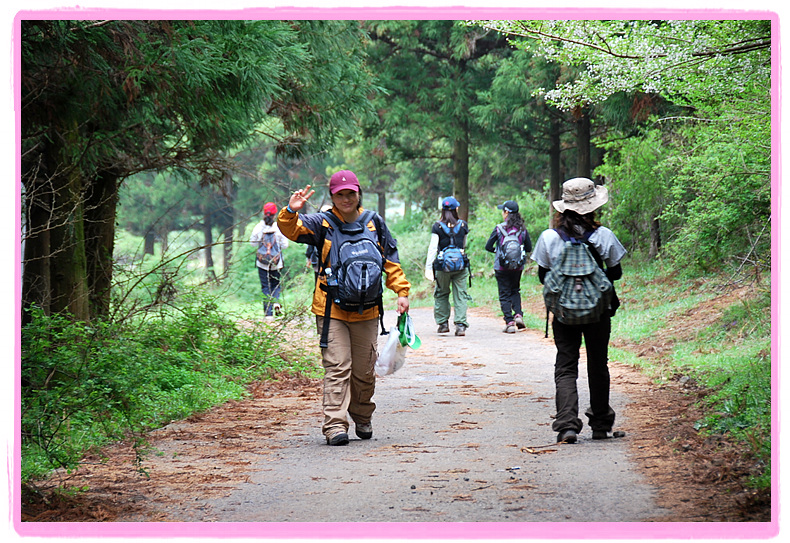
461 434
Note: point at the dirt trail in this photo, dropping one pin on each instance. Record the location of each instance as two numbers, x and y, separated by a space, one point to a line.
462 433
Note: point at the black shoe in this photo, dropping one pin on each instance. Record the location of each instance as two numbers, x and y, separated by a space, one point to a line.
600 434
364 431
566 436
460 329
340 438
443 328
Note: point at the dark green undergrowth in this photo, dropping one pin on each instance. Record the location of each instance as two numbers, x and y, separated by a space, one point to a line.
86 385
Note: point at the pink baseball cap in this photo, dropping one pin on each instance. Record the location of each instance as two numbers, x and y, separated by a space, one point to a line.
269 208
344 179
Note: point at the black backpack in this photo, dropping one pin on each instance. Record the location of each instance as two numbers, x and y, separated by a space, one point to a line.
355 283
510 250
451 258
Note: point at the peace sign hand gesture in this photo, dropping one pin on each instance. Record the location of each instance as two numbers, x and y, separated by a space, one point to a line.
299 198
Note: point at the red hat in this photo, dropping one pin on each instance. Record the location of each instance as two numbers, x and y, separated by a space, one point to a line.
344 179
269 208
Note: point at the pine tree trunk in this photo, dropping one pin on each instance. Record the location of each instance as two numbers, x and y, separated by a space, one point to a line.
100 211
583 162
555 161
36 286
67 259
655 237
148 247
225 223
461 175
208 241
382 203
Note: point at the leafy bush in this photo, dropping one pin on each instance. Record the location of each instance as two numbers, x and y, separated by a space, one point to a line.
84 385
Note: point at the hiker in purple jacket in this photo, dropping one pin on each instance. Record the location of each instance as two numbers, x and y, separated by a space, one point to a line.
509 264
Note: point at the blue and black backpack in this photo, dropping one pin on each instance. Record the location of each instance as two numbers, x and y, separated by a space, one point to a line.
354 267
452 257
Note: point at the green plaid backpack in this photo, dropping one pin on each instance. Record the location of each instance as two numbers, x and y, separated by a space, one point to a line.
576 290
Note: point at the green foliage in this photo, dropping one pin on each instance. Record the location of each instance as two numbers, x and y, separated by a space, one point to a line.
690 61
637 185
702 172
84 385
721 198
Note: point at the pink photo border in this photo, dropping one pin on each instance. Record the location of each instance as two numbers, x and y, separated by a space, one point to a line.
446 531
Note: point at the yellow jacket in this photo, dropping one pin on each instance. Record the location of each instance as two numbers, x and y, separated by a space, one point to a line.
307 228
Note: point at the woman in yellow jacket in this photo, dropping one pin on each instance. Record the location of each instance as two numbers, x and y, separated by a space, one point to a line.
350 352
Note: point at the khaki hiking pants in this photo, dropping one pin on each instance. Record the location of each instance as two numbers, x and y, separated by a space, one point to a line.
349 379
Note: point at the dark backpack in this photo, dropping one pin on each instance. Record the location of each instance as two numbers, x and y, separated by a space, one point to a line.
576 290
451 258
268 252
355 283
510 250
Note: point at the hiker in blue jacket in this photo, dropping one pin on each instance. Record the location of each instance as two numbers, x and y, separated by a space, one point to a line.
575 218
508 270
447 265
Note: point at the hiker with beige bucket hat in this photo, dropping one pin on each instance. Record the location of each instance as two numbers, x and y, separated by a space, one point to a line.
578 244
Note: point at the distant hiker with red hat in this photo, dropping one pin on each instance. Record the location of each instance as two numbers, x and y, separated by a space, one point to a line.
270 243
448 265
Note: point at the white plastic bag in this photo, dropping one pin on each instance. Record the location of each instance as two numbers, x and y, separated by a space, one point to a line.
392 355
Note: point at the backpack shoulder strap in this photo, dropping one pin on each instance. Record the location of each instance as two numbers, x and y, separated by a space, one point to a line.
449 232
367 216
335 222
331 218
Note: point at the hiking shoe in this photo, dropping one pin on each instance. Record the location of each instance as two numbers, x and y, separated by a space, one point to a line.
566 436
600 434
519 322
460 329
278 310
364 430
443 328
510 328
337 437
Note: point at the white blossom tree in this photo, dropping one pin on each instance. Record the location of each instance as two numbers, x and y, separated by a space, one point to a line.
690 62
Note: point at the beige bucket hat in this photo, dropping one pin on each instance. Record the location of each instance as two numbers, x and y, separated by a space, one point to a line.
582 196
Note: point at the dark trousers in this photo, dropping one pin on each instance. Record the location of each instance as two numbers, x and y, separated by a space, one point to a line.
568 339
509 285
270 287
